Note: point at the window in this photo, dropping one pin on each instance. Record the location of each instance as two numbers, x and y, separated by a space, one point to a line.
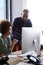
2 9
6 9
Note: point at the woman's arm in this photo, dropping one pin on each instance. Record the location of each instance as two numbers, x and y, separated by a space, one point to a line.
13 44
2 55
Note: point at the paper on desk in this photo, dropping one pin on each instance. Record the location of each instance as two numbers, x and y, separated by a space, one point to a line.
29 53
22 63
12 56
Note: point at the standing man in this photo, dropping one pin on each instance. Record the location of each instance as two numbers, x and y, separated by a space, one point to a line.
17 27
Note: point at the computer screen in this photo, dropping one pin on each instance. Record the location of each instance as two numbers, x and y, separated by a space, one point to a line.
30 39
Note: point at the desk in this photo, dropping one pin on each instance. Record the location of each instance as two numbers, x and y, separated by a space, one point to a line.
15 61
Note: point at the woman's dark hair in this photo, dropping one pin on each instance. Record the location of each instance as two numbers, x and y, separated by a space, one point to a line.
5 24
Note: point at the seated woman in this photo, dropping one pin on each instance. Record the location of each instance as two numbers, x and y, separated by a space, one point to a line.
5 46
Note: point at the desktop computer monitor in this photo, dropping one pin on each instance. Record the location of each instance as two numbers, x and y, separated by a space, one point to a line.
30 39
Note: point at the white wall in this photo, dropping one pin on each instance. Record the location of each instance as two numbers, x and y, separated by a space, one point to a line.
36 12
24 4
16 8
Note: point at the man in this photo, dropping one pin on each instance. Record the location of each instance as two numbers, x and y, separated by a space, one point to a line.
17 27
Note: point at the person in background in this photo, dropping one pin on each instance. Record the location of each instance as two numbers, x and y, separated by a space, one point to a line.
18 23
5 46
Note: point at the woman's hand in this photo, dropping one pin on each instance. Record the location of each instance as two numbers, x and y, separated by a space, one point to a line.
15 41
